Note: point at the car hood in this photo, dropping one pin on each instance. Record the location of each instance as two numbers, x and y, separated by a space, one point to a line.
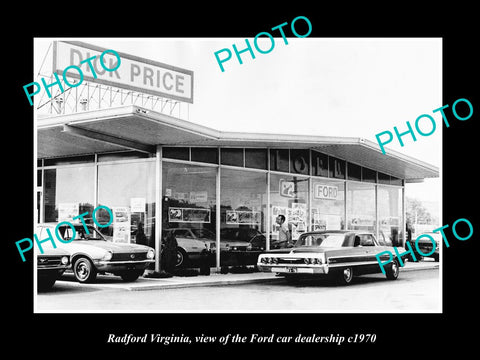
100 246
115 247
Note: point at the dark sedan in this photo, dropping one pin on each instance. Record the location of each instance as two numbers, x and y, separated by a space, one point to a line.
339 254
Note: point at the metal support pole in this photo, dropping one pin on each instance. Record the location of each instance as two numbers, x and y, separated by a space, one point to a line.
217 218
404 218
269 215
158 207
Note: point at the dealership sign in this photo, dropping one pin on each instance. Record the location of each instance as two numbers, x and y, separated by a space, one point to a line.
135 73
321 191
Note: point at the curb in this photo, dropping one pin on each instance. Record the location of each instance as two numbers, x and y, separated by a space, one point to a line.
158 284
435 265
203 284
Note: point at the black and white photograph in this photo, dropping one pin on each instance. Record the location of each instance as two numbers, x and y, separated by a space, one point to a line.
130 118
199 181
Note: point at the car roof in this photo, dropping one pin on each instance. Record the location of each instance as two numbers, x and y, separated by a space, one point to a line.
356 232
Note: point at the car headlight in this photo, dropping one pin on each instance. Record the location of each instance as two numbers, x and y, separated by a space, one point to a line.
108 256
263 260
150 254
306 261
64 260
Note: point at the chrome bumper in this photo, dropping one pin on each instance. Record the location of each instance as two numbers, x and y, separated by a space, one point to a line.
104 265
293 268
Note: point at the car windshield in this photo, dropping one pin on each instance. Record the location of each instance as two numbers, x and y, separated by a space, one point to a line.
322 240
80 234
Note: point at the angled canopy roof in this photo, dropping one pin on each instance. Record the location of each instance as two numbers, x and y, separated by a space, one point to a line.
133 127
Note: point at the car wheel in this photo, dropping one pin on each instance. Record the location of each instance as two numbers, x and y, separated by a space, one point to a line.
84 270
131 276
182 258
345 276
393 270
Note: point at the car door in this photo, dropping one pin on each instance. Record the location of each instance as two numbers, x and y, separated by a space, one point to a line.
370 250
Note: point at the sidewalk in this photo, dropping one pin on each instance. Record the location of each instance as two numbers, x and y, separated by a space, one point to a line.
215 279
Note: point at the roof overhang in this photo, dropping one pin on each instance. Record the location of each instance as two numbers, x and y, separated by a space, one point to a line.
133 127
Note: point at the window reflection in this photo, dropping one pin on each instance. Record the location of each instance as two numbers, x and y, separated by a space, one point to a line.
361 207
328 206
390 215
128 189
243 206
189 212
68 192
289 198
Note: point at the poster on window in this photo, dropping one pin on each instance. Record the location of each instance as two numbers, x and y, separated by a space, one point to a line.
235 217
137 204
67 211
287 188
198 196
121 225
362 221
190 215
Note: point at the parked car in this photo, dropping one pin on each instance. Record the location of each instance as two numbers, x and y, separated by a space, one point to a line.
338 254
90 254
50 266
241 239
425 246
193 244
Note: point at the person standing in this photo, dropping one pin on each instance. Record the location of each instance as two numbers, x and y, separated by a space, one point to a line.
284 236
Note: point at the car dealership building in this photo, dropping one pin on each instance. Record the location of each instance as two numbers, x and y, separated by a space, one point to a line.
115 141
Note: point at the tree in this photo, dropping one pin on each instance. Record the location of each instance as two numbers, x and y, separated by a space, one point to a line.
416 212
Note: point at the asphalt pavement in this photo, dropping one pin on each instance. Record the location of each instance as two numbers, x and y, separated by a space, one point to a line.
215 279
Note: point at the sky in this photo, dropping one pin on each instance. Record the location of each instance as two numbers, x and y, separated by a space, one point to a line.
354 87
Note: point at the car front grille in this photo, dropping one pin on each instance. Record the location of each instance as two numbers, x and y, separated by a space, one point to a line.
128 256
48 261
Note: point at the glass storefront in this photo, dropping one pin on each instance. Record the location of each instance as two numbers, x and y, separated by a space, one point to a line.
361 214
390 214
243 206
68 192
189 210
250 188
128 189
328 205
289 198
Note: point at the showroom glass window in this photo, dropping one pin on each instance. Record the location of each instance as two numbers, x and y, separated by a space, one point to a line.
390 218
328 205
189 208
243 203
289 197
68 192
128 189
361 206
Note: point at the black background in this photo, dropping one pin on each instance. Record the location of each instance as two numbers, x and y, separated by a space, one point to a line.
86 334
